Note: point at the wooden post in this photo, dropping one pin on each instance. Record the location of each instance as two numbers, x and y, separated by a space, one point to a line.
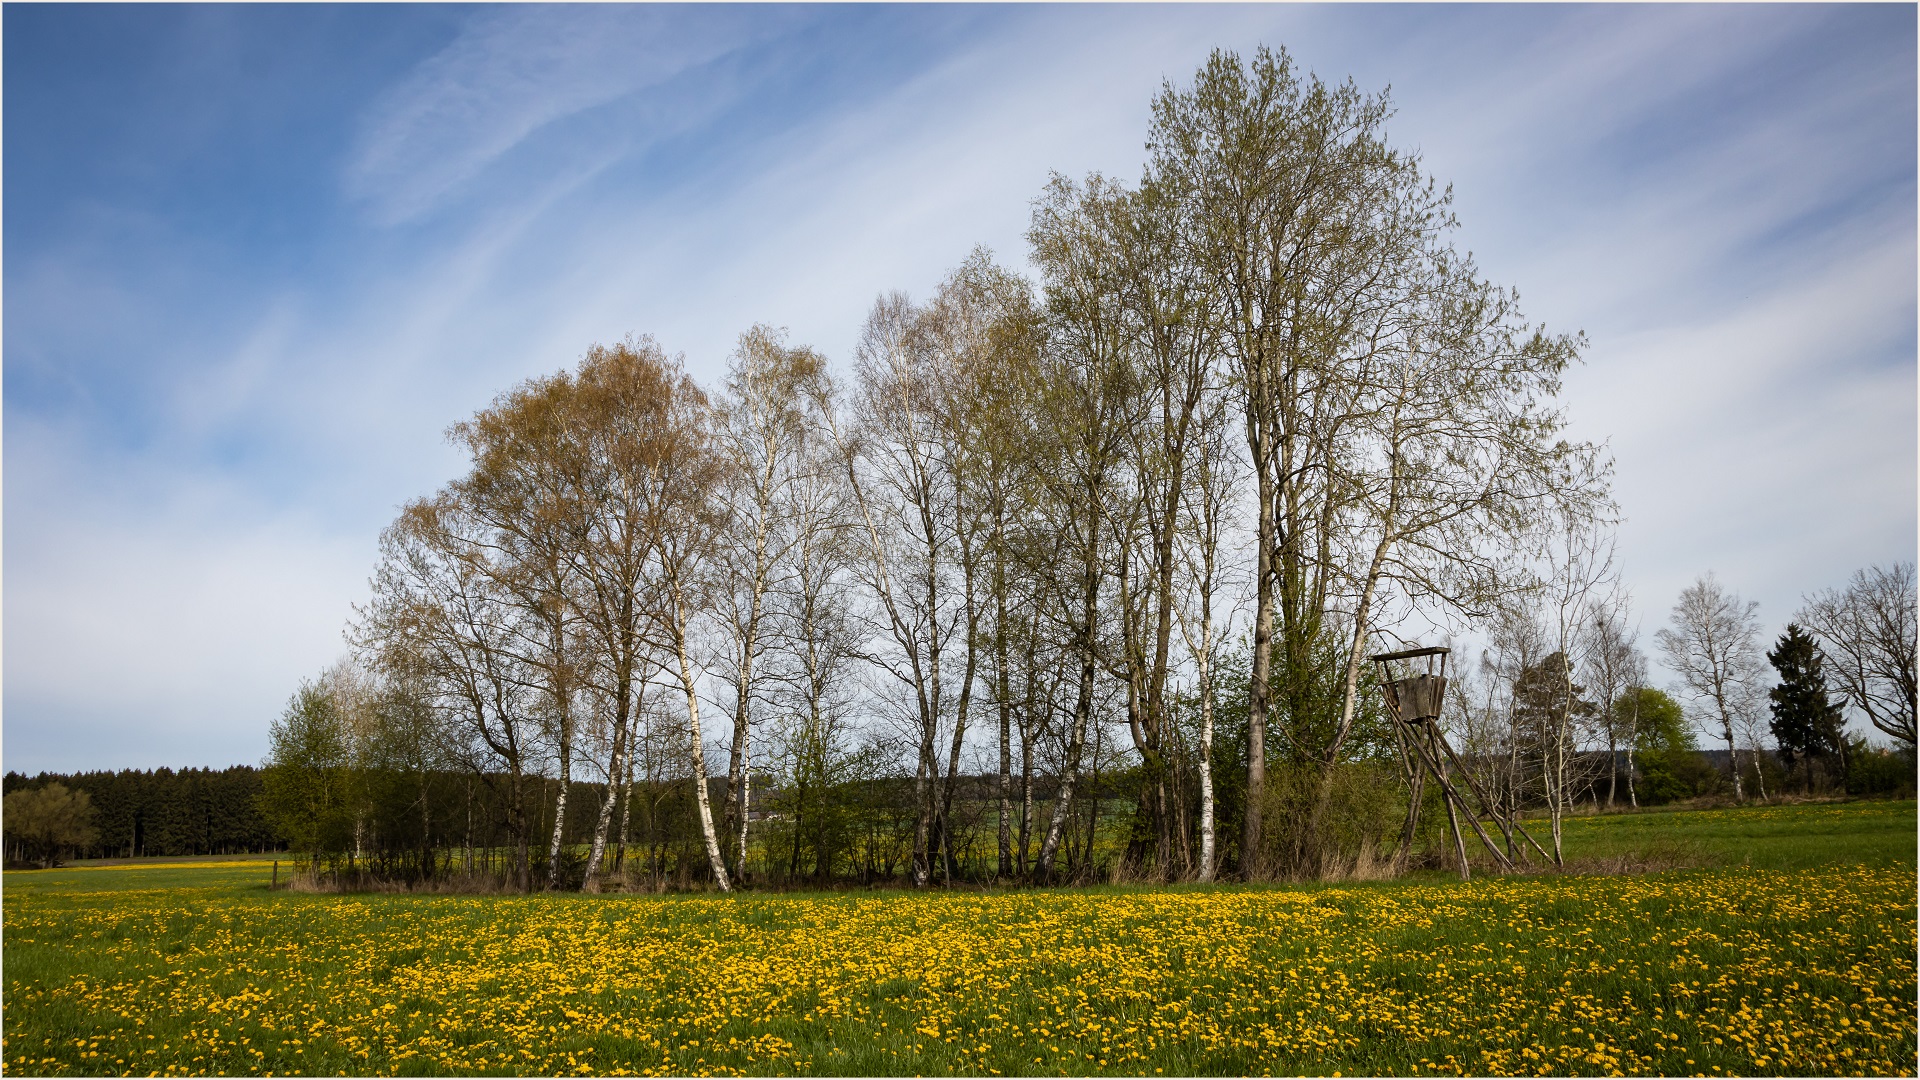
1451 796
276 874
1453 821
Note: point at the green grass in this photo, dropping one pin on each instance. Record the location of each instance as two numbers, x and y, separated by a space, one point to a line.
1791 837
1791 952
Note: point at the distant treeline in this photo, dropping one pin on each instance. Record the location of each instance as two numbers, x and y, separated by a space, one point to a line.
157 812
146 812
461 820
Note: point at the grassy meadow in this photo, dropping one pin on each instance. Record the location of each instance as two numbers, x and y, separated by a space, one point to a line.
1787 948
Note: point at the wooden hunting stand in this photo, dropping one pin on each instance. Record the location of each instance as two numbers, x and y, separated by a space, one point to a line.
1415 701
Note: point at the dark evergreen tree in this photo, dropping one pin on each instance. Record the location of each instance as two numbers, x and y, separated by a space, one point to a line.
1807 725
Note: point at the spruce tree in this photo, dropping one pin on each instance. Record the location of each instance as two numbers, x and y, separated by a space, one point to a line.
1806 722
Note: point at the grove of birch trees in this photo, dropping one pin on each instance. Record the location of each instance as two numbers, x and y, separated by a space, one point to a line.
1121 527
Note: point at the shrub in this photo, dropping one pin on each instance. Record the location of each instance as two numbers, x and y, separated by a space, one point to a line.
1872 770
1362 818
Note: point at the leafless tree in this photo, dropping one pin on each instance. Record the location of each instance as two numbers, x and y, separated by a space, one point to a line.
1867 632
1581 577
903 496
440 612
674 470
1172 321
523 492
1712 645
1463 467
1206 514
978 333
1613 666
761 430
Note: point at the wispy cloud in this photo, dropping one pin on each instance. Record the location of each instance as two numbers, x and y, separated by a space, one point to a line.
513 71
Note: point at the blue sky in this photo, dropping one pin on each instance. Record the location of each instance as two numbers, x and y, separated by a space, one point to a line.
256 259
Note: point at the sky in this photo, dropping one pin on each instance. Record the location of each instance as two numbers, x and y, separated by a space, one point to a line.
256 259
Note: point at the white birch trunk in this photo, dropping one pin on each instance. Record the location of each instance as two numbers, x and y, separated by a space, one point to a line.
696 746
1206 743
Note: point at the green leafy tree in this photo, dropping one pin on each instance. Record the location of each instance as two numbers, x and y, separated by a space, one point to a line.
46 822
1806 722
1671 766
308 788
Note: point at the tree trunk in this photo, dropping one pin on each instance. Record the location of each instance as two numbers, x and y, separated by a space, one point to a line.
1633 743
739 754
959 728
696 748
615 765
1733 756
1006 777
1082 713
1207 855
1258 686
1026 797
626 811
1323 794
517 821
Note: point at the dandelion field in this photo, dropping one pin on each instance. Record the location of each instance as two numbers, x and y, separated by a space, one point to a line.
1735 969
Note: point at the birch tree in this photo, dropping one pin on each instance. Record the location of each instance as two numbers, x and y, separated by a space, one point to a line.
653 437
523 491
1207 513
902 495
439 612
640 488
1087 403
1711 644
976 333
1614 666
1176 344
759 435
1581 573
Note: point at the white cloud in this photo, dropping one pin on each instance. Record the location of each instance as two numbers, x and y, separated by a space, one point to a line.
511 72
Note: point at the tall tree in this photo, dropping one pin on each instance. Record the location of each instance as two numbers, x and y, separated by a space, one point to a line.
977 333
522 492
759 435
1806 724
892 455
817 634
1087 402
1175 333
661 456
1207 514
1711 645
442 620
1284 174
984 322
1462 466
645 497
1868 634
